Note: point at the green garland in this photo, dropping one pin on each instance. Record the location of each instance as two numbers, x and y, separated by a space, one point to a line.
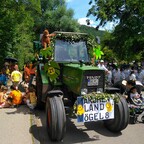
71 37
98 96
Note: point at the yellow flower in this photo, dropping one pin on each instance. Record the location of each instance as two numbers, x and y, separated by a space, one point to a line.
80 109
109 107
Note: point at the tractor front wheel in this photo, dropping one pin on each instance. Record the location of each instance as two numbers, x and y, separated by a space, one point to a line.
55 118
121 116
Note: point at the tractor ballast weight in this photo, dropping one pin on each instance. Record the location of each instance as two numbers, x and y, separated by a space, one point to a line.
66 79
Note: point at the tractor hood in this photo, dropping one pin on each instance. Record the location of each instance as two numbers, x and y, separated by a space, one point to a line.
77 77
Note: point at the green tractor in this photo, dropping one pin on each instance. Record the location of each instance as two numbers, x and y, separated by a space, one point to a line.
67 80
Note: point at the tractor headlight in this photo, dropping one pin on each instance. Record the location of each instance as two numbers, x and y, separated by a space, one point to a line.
84 91
99 90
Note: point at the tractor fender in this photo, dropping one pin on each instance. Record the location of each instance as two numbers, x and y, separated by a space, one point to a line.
112 90
53 93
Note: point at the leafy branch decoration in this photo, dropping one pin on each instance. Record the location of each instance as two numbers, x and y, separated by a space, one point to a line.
97 53
98 96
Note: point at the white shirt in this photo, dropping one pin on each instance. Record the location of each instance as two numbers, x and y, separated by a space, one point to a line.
116 76
141 77
132 77
102 66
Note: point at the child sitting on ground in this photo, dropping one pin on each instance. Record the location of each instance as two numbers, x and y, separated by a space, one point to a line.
30 97
3 94
14 98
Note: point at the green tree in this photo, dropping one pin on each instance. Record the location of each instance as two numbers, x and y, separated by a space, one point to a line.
56 17
16 31
92 31
128 36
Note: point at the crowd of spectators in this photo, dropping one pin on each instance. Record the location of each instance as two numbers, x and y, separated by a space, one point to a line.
14 96
114 73
17 87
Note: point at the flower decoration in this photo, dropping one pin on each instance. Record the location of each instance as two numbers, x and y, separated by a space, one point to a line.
52 69
80 110
109 107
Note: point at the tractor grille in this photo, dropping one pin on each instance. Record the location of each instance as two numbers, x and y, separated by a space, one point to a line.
93 80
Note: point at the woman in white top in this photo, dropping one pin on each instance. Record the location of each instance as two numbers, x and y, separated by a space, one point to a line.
132 76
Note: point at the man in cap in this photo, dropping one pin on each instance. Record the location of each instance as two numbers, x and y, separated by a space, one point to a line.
102 66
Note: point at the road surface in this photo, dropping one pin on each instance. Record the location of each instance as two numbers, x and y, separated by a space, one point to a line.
89 133
22 126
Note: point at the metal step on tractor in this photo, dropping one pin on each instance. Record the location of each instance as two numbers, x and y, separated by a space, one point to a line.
66 80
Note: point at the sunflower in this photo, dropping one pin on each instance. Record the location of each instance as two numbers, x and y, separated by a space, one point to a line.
52 69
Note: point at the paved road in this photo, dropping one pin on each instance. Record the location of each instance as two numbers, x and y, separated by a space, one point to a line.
21 126
15 126
89 133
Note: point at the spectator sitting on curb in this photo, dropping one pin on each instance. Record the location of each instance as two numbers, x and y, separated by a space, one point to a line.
3 94
14 98
30 97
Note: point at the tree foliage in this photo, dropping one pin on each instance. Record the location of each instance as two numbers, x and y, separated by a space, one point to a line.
16 31
97 35
127 37
56 17
21 20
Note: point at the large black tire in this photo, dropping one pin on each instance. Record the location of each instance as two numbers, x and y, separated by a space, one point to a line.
55 118
126 113
121 116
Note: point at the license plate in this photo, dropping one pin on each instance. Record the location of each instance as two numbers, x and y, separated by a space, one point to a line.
92 82
94 111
